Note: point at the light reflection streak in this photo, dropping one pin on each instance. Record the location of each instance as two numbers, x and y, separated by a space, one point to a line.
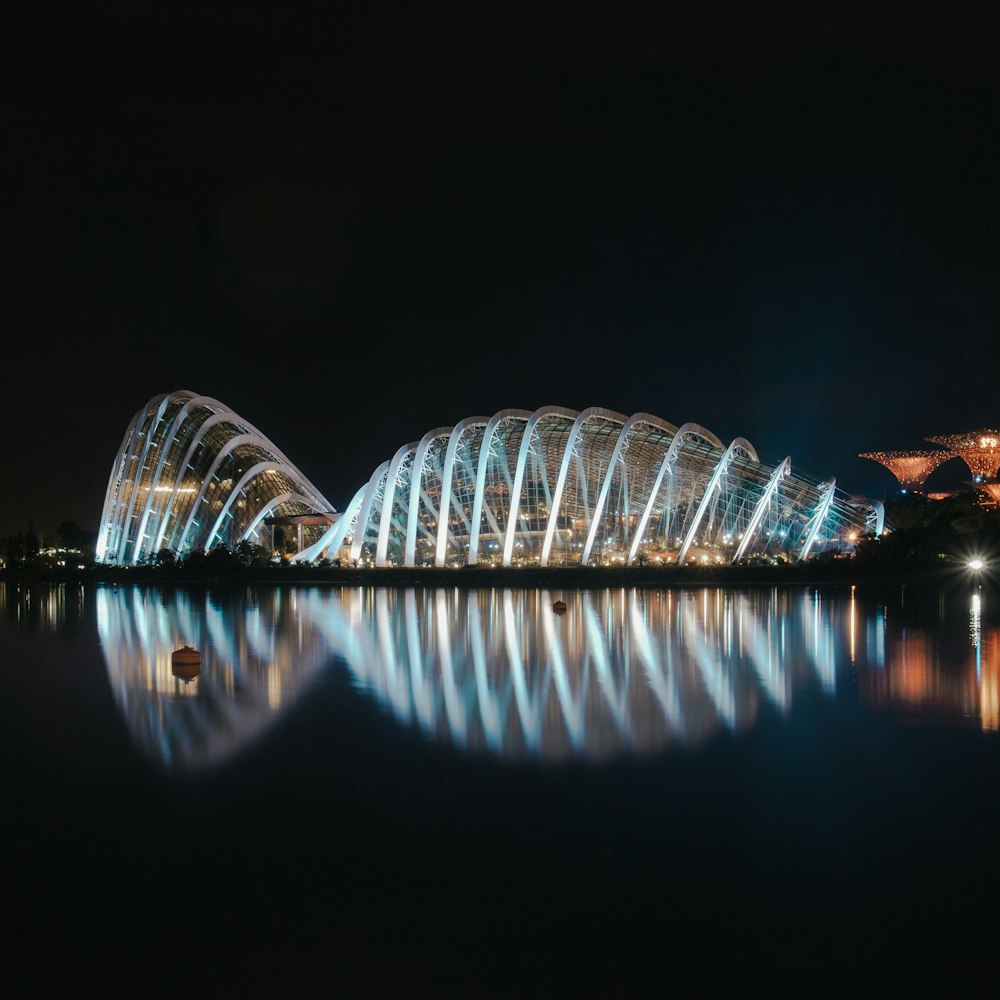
497 671
854 614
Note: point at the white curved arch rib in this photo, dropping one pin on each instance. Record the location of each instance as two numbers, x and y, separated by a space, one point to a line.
441 549
874 511
164 450
378 477
568 451
254 470
416 478
225 450
219 417
389 496
609 475
225 415
114 481
333 537
667 465
826 489
154 419
879 517
190 403
271 505
713 484
758 513
484 456
522 459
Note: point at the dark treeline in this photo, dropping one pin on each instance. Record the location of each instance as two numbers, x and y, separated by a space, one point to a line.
68 545
922 533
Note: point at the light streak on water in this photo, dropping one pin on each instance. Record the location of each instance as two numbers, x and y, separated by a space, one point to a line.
628 671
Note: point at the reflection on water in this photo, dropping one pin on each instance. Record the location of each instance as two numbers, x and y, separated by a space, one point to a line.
48 608
497 670
256 657
923 676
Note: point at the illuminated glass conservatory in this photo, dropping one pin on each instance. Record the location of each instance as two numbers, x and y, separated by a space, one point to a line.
549 488
191 474
558 487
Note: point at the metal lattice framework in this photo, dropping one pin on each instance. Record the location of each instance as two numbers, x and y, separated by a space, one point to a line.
191 474
911 468
980 450
557 487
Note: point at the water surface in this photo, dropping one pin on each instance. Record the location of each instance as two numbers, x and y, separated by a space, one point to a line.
426 788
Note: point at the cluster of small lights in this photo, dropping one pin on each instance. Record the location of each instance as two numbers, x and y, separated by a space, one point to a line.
980 450
992 491
911 468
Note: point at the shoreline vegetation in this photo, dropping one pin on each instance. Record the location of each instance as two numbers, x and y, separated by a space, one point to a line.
927 542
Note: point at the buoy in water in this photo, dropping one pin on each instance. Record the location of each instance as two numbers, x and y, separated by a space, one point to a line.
185 663
559 607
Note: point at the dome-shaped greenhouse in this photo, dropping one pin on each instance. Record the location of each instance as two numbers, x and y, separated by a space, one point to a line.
561 487
191 474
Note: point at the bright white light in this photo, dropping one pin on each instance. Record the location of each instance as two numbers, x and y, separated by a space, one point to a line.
976 564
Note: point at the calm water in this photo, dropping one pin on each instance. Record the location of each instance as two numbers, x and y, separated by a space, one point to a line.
408 791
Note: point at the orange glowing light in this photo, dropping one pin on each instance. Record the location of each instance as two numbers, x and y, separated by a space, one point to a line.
911 468
980 450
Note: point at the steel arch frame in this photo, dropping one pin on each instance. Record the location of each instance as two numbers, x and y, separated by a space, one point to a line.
777 476
635 420
721 469
385 515
484 457
522 459
569 450
420 456
667 464
826 490
454 441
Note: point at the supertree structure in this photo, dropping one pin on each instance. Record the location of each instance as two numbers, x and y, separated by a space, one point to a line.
980 450
991 487
911 468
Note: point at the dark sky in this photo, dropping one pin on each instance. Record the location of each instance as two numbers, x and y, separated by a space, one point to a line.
778 221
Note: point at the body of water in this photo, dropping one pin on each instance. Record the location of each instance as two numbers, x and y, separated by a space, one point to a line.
404 791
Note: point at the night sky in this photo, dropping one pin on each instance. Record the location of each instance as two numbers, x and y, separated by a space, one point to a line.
351 227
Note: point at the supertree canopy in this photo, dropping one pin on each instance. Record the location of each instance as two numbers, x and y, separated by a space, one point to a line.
980 450
911 468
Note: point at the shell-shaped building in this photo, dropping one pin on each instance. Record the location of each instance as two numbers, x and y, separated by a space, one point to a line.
561 487
191 474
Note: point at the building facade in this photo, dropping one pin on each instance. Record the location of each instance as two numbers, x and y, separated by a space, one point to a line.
191 474
553 487
560 487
